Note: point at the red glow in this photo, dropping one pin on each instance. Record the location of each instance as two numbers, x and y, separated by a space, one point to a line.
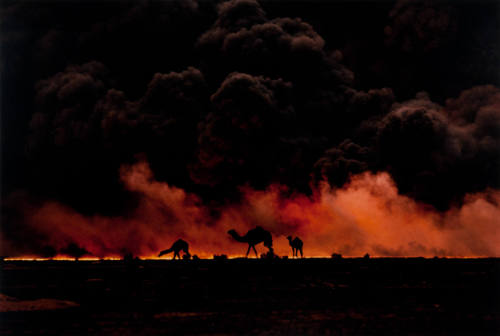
366 216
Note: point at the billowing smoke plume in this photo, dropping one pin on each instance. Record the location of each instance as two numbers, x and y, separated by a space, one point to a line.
239 118
240 139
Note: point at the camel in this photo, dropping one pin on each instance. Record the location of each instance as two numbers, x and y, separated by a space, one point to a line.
296 245
254 237
179 245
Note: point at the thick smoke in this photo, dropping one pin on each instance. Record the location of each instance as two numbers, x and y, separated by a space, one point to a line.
435 154
420 26
365 216
239 140
239 118
244 40
83 130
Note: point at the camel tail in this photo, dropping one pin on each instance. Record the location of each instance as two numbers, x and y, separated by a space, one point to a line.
165 252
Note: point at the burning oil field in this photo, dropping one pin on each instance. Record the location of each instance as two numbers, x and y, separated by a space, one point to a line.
217 131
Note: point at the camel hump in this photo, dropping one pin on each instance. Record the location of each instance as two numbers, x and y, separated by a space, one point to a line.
181 242
260 230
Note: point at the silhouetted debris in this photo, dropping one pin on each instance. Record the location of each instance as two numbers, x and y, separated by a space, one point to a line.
336 256
75 251
366 256
220 257
2 258
284 257
128 257
48 252
195 257
186 257
269 255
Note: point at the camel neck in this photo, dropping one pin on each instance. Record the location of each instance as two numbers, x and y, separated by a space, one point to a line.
237 237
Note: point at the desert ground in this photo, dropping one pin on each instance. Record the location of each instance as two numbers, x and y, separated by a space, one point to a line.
349 296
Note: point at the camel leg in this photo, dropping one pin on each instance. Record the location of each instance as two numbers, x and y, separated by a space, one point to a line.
253 246
248 251
176 254
301 254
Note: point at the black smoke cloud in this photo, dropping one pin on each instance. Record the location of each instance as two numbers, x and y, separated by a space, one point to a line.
84 130
240 138
281 48
339 163
454 43
436 154
219 96
420 26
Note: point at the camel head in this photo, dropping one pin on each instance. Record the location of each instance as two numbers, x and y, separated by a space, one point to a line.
289 238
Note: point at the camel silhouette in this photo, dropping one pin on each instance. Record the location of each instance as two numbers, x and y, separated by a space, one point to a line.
179 245
254 237
296 245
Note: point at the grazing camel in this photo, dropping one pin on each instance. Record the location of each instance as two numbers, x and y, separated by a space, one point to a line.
179 245
296 245
254 237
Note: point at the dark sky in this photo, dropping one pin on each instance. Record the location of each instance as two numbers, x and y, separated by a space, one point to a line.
216 96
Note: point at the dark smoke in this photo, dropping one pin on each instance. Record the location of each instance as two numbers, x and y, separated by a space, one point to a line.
222 98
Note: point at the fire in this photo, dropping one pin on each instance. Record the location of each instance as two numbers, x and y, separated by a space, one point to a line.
60 258
365 216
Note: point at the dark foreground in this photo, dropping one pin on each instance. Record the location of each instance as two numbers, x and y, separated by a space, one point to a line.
293 297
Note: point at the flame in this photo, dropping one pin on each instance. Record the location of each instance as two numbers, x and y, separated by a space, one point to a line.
365 216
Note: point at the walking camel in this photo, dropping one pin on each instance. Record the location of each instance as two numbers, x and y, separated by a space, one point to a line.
179 245
254 237
296 245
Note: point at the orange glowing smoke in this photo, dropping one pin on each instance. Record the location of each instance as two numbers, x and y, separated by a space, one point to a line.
365 216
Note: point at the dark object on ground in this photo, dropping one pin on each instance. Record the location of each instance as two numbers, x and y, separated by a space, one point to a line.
304 297
220 257
75 251
128 257
336 256
195 257
366 256
269 255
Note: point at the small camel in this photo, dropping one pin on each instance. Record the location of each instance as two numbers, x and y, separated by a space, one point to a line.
179 245
254 237
296 245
